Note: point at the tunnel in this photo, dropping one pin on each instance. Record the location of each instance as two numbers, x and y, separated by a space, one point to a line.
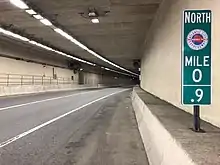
109 82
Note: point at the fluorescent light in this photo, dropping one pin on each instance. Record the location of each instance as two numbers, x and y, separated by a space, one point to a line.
9 33
33 42
17 36
61 53
20 4
38 16
46 22
41 45
95 20
116 71
64 34
64 54
31 12
59 31
91 63
79 44
109 62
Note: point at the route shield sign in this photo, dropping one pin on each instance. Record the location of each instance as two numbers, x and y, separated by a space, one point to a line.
196 57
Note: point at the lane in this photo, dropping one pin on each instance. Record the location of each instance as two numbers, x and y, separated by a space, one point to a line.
15 121
23 99
103 133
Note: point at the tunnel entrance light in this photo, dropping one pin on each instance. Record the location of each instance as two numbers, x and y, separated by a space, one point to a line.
46 22
20 4
31 12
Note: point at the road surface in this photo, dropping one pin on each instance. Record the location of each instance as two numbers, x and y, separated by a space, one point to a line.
84 127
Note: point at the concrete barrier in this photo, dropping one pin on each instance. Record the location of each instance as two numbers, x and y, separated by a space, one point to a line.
28 89
160 146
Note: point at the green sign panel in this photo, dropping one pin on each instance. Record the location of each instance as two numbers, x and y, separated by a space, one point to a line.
196 57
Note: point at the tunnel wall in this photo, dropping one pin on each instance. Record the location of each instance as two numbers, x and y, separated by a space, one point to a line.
161 62
11 66
21 65
15 70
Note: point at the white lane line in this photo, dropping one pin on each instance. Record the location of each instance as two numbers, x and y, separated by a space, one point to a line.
7 142
41 101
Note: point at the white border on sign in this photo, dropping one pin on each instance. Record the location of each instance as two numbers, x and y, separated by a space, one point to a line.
182 50
182 56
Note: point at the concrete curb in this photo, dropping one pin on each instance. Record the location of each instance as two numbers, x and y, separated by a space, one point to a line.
160 146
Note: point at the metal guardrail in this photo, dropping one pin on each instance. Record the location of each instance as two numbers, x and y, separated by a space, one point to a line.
16 79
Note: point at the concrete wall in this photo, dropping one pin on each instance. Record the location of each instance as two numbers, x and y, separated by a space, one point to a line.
17 58
158 142
16 68
91 78
161 63
11 66
14 49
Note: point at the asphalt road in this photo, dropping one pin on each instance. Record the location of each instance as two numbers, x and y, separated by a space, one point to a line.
70 128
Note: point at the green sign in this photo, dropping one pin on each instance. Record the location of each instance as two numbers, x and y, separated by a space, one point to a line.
196 57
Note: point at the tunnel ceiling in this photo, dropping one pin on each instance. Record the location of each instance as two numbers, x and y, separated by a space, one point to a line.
118 37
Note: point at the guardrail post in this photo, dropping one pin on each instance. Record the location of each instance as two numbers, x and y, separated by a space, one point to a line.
50 80
7 83
32 80
21 80
42 80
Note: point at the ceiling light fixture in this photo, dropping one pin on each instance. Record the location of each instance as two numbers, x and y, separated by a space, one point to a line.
30 11
37 16
14 35
20 4
92 15
46 22
11 34
117 71
64 34
95 20
80 44
67 36
107 69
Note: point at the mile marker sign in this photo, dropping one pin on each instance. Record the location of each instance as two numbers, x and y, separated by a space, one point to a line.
196 57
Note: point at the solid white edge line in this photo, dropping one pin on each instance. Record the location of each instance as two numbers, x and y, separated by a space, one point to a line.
11 140
41 101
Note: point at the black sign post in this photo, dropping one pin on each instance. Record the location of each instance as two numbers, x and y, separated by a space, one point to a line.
196 114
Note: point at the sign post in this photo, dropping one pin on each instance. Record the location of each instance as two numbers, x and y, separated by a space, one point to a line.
196 111
196 60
